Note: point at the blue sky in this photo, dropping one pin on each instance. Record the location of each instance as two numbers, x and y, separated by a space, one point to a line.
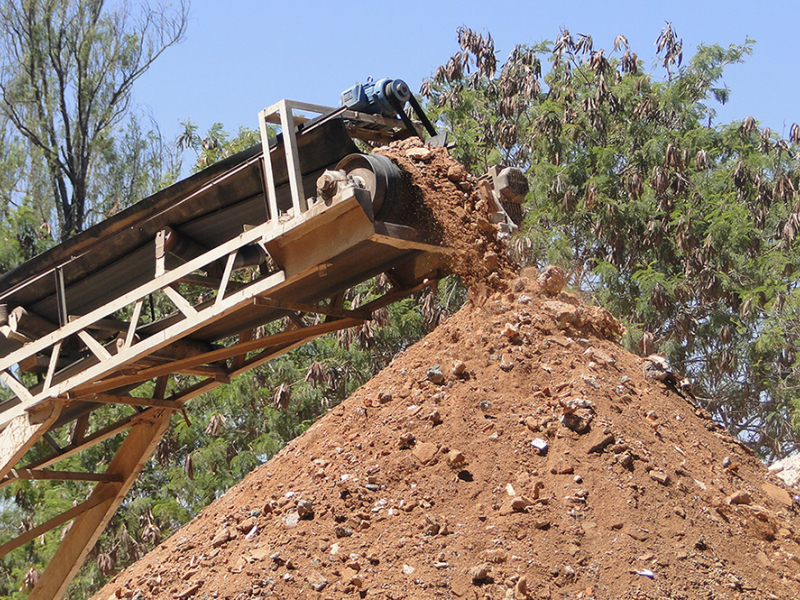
243 55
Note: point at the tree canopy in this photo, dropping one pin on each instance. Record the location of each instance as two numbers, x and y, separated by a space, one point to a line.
67 69
683 227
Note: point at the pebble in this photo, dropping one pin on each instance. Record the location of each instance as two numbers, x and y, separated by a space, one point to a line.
459 369
479 573
419 153
317 581
659 476
305 509
739 497
435 375
406 440
552 279
455 458
539 444
510 331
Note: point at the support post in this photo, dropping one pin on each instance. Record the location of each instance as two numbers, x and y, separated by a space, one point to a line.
127 464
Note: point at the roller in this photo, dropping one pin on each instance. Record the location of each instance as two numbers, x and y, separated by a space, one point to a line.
381 177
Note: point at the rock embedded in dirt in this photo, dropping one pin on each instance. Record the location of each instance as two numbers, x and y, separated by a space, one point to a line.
305 509
479 573
739 497
425 452
435 375
317 581
419 153
220 537
659 476
552 280
563 314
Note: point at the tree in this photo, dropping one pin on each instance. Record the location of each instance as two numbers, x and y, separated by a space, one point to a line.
67 68
685 229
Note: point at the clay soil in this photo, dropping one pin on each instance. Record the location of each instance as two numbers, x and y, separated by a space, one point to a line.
536 461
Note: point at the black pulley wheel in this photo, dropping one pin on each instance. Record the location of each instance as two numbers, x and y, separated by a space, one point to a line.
380 176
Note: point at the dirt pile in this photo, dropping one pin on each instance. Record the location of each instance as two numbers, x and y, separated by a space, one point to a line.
514 453
517 452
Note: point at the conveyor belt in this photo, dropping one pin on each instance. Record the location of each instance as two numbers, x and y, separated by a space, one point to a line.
152 293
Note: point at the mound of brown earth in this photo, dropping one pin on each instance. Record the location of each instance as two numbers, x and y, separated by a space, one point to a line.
516 452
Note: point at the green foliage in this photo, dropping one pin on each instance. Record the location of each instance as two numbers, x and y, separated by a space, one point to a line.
684 229
216 144
67 68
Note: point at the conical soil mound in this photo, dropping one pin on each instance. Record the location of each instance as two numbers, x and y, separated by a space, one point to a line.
516 452
536 461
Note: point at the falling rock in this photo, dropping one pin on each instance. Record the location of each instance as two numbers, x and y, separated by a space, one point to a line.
484 225
739 497
408 569
425 452
419 153
552 279
435 375
316 580
491 260
222 536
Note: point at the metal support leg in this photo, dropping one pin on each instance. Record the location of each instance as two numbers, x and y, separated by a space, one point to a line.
127 463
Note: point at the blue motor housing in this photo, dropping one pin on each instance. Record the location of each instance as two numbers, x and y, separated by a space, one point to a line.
374 97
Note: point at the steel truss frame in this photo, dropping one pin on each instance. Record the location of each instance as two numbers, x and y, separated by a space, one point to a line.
316 252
